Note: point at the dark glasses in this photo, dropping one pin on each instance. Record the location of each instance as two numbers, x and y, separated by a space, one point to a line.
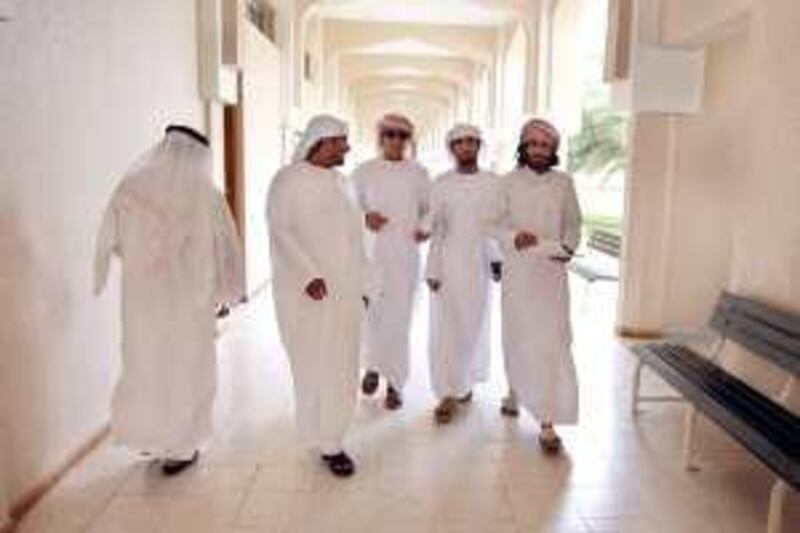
396 134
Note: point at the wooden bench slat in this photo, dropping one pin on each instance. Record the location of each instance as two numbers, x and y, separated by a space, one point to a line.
774 418
767 332
771 417
591 272
766 428
606 249
609 238
603 241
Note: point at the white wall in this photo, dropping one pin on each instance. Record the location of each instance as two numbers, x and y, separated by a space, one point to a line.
4 493
90 85
684 20
709 164
766 258
713 197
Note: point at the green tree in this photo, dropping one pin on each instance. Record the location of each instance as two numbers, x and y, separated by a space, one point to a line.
600 147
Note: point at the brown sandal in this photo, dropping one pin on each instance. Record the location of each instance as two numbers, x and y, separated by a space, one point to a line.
550 442
445 411
394 400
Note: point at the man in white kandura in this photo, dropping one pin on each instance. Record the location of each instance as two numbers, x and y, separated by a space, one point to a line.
316 245
393 193
540 230
463 206
181 259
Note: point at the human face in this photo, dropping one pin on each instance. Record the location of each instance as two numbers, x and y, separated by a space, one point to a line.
331 152
539 150
466 151
394 143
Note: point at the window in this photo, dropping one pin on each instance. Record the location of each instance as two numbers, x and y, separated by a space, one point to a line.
308 67
262 15
618 41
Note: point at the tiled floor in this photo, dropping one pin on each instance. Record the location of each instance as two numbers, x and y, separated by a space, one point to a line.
482 474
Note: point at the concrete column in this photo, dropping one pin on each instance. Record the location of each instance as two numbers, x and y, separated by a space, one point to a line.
4 495
498 78
287 42
298 55
462 105
647 205
646 222
331 83
538 60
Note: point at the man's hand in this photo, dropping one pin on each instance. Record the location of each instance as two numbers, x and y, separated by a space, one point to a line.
375 221
525 240
434 284
317 290
567 257
421 236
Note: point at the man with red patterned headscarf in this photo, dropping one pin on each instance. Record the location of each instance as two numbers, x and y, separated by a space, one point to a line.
539 228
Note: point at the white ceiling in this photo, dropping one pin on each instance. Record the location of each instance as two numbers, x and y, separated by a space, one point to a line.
455 12
409 47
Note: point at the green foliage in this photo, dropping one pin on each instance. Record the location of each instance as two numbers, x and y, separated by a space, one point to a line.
600 148
612 224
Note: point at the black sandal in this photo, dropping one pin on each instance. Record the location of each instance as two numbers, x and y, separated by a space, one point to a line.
370 383
173 467
340 464
467 398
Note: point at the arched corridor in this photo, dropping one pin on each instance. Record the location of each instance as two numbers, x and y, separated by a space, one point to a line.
679 124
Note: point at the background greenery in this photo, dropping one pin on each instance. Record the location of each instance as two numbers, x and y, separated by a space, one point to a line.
612 224
600 147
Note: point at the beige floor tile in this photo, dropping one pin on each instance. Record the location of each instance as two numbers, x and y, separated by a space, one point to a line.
486 526
290 477
608 502
69 508
200 513
202 478
545 509
623 525
129 514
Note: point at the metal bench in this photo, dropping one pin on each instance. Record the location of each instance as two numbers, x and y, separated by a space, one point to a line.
593 268
762 425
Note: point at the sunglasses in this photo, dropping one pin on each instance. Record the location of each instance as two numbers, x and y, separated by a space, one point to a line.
396 134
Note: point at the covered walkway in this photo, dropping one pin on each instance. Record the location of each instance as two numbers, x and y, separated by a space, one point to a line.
711 183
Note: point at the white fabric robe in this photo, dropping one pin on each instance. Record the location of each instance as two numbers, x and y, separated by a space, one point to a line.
399 190
462 210
180 258
316 232
536 329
